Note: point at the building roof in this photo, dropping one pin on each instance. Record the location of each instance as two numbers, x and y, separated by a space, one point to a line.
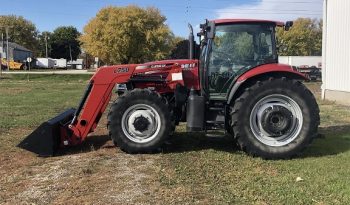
17 46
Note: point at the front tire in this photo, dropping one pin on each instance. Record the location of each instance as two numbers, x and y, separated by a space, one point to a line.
275 118
139 121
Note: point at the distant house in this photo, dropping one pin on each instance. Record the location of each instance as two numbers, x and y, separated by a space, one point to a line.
16 52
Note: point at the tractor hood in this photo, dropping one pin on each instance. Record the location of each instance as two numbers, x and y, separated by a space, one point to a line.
175 71
167 74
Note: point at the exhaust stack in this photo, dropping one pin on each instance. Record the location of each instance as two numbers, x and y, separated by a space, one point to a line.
190 43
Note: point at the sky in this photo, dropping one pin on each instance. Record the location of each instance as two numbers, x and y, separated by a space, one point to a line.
49 14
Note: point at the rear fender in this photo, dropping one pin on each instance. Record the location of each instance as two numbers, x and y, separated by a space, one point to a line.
262 72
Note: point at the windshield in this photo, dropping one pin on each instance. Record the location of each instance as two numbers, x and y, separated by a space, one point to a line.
237 48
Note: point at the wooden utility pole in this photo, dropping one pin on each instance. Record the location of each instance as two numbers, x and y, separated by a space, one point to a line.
70 53
7 48
46 45
2 50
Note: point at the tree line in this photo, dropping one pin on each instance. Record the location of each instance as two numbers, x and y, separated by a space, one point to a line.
131 34
303 39
25 33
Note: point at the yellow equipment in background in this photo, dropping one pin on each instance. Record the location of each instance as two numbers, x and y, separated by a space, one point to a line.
13 65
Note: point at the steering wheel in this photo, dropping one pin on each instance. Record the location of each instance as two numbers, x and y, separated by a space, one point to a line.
224 57
220 80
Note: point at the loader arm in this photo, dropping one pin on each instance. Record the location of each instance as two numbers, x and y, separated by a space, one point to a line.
95 101
72 126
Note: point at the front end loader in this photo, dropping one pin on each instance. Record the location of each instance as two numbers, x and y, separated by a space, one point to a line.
236 85
46 139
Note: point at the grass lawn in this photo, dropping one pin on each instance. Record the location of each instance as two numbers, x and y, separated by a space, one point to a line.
192 168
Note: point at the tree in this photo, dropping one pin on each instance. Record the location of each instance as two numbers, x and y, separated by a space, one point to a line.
303 39
43 39
122 35
180 49
21 31
65 43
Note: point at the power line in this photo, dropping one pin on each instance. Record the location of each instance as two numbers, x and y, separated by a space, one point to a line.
284 2
187 9
250 1
247 9
266 12
304 13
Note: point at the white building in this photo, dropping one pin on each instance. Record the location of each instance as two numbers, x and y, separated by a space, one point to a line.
336 51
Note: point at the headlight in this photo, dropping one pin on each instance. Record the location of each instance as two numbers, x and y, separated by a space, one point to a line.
121 87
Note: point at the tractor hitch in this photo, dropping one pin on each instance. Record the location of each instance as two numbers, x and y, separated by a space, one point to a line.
46 139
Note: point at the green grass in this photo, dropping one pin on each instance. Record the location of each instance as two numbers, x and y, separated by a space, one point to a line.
210 169
26 103
194 168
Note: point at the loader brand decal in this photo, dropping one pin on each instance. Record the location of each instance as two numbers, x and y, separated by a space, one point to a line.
121 70
188 66
158 66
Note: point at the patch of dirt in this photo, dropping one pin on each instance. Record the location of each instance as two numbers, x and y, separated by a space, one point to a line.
15 90
315 88
95 173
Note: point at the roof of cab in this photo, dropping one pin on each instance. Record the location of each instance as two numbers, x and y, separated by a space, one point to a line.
225 21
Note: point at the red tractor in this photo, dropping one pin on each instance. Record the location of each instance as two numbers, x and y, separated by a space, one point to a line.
236 85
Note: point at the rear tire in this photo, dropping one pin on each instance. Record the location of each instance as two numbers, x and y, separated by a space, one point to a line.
275 118
139 121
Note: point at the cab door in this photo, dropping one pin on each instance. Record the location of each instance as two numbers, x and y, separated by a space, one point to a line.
229 52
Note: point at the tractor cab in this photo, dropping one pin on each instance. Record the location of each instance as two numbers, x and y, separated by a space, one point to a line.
229 48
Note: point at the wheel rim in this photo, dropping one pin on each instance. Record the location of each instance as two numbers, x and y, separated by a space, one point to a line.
141 123
276 120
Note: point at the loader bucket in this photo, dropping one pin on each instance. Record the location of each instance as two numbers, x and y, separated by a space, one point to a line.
46 139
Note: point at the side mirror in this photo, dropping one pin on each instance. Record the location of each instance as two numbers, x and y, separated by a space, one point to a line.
288 25
210 29
207 29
